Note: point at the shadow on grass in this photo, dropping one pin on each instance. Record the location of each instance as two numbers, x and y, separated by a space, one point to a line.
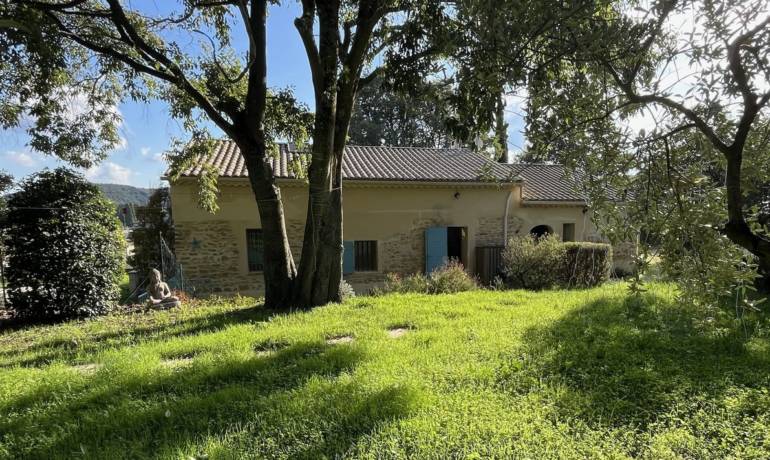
66 349
277 397
622 367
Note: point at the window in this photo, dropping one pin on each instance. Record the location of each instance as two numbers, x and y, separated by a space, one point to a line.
366 256
255 249
568 232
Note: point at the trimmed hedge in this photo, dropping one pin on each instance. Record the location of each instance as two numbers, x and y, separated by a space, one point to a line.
586 264
542 263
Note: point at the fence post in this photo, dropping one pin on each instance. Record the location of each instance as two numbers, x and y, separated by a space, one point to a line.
2 270
160 252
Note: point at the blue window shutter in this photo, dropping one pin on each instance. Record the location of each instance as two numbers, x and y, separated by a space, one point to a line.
348 257
435 248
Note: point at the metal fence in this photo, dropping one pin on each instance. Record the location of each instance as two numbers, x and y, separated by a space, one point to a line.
170 269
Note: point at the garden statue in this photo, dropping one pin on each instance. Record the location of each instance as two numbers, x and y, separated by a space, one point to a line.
160 294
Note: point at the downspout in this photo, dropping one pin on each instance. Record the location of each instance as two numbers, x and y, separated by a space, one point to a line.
505 217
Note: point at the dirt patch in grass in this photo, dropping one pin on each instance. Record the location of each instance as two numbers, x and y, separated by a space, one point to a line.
337 339
396 332
87 368
176 363
268 347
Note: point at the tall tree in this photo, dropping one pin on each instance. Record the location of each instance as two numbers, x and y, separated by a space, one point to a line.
350 35
107 51
383 116
708 87
98 52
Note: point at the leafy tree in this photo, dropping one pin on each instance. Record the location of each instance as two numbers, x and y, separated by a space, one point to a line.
707 147
65 248
153 222
383 116
6 182
104 51
350 34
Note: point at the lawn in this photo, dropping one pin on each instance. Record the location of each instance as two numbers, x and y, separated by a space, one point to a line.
563 374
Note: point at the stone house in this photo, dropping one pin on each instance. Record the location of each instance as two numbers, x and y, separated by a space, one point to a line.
406 210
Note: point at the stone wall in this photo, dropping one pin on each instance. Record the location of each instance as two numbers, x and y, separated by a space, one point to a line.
404 252
490 230
209 255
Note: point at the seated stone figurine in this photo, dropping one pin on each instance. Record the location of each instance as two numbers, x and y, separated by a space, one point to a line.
160 294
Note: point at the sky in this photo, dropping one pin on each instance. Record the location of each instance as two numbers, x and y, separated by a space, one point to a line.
147 129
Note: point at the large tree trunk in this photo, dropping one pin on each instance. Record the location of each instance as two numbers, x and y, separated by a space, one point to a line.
336 75
320 271
279 271
737 229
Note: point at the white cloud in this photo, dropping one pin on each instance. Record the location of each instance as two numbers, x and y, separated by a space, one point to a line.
24 159
144 151
110 172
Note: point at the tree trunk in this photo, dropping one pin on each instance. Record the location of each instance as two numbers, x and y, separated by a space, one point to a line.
279 271
501 130
320 272
737 229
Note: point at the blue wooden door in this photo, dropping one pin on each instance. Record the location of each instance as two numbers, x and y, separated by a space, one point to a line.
435 248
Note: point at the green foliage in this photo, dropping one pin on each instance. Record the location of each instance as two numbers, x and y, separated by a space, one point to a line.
346 291
65 248
153 221
530 262
126 194
672 177
546 262
482 374
446 279
384 116
586 264
450 278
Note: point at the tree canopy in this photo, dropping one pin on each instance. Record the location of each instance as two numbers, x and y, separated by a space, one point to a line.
383 116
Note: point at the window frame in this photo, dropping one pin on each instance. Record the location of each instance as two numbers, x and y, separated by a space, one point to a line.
259 265
365 251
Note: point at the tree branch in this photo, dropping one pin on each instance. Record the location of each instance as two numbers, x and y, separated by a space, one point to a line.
304 25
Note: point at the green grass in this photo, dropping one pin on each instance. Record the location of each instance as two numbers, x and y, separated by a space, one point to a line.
565 374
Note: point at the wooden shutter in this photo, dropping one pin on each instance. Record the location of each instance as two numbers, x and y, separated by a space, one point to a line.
348 257
435 248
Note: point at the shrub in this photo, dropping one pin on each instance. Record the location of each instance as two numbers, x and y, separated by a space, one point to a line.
65 248
450 278
546 262
446 279
346 291
586 264
533 263
411 283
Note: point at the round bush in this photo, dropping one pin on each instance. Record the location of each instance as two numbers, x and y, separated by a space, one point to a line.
65 248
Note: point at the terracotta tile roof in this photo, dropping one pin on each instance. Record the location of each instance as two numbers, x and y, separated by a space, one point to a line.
547 182
417 164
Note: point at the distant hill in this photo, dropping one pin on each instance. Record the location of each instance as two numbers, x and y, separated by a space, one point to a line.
126 194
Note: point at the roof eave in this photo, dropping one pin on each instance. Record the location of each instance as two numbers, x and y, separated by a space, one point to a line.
529 202
243 180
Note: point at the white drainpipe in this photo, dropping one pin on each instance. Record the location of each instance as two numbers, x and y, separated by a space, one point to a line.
505 217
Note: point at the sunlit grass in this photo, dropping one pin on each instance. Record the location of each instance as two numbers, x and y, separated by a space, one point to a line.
564 374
